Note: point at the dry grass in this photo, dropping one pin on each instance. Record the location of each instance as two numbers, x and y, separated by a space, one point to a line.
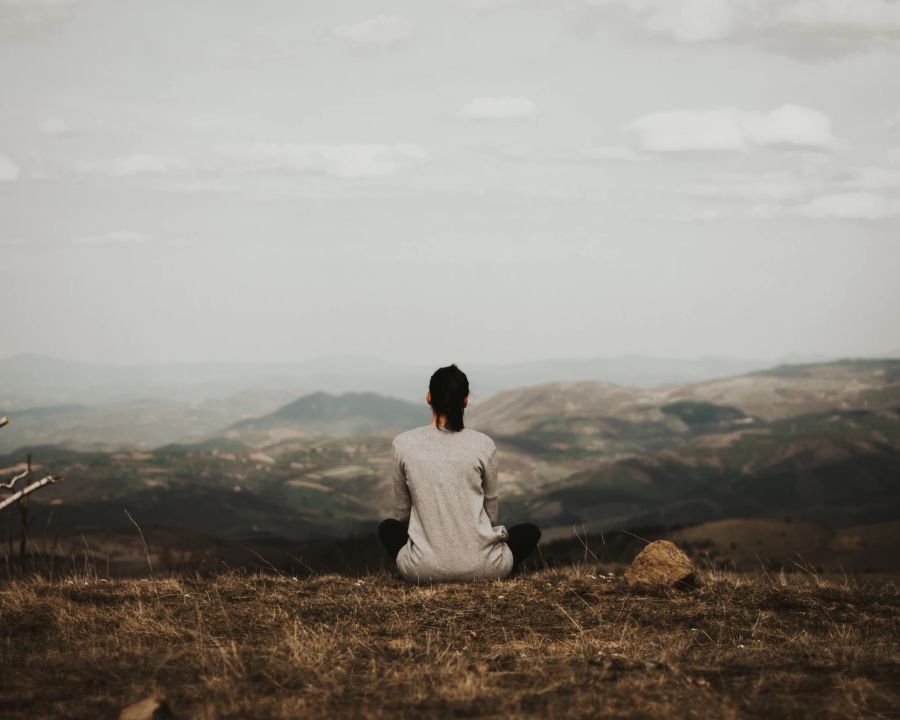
562 643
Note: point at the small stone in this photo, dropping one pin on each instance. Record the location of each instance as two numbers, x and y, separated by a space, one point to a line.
151 708
661 563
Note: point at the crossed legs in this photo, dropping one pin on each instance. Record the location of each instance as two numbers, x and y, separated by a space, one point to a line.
392 534
522 540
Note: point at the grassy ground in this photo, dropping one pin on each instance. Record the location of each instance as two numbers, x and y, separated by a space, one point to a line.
563 643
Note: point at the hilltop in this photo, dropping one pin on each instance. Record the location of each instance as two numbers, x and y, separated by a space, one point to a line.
322 414
570 643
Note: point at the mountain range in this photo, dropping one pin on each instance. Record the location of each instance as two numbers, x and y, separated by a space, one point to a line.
93 406
811 443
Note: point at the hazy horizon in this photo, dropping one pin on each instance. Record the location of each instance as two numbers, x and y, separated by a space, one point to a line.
483 181
790 358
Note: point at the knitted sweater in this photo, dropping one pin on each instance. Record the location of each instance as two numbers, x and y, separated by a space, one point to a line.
445 483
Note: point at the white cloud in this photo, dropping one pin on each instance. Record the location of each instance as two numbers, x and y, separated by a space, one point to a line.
142 164
377 33
136 164
115 237
851 206
685 21
55 126
872 179
767 187
9 171
864 193
691 21
487 6
28 16
894 156
599 153
341 161
499 108
613 152
867 16
733 129
348 161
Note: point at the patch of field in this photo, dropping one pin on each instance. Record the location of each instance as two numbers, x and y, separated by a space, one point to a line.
261 457
566 643
19 467
752 541
309 484
345 471
547 471
748 543
726 439
505 478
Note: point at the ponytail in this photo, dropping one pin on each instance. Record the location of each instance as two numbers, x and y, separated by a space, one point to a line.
449 387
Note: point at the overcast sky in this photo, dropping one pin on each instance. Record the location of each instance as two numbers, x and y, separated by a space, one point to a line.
449 181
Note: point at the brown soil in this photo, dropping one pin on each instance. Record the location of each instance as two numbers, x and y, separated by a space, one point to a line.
565 643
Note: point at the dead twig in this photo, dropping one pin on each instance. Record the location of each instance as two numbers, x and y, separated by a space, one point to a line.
36 485
11 483
637 536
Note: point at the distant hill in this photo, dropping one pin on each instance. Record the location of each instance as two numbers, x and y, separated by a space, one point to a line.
139 424
838 468
323 414
796 389
817 441
97 406
770 394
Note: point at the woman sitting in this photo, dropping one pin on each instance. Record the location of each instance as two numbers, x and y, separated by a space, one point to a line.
445 486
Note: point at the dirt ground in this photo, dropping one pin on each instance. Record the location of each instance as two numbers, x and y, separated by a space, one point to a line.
563 643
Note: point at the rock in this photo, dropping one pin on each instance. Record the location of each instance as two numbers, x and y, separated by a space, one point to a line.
151 708
661 563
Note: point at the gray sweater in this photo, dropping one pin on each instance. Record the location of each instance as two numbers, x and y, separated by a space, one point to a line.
446 484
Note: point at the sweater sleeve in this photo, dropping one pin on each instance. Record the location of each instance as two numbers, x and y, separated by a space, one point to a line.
489 485
402 499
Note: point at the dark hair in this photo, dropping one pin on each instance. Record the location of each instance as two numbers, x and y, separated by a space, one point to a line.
448 387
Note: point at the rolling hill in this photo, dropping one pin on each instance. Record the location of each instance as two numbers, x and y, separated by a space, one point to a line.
819 444
322 414
141 424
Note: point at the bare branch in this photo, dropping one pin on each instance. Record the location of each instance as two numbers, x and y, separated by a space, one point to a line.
36 485
21 476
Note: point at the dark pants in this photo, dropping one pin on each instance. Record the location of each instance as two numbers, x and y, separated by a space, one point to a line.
522 540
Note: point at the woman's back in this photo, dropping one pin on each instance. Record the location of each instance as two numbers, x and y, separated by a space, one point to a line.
446 483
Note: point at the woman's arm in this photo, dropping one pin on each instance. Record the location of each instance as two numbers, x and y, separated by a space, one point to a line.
489 485
401 489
